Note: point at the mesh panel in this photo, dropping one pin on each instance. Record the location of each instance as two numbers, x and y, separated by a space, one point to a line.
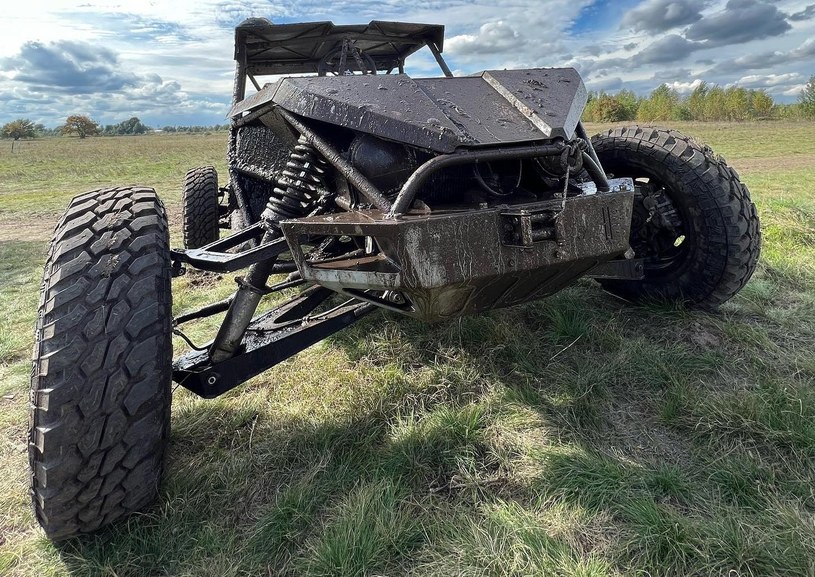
259 150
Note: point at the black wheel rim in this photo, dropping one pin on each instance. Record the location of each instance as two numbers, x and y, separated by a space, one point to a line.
666 251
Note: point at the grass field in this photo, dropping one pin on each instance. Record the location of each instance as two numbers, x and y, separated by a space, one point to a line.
575 436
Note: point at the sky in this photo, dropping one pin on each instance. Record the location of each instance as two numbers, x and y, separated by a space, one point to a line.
170 62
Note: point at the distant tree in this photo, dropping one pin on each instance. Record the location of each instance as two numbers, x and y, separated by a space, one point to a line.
787 111
80 125
601 107
609 109
715 104
630 103
663 104
130 126
696 101
737 103
761 104
807 98
20 128
135 126
706 102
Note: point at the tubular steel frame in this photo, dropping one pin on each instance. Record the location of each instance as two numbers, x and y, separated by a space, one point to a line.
245 347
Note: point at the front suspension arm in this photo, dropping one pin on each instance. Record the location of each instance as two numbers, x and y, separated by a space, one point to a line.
270 339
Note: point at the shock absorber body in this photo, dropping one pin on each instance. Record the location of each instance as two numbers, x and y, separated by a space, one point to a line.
300 188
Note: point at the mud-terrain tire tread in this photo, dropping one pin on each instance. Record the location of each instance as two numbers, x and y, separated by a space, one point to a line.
199 207
100 387
730 236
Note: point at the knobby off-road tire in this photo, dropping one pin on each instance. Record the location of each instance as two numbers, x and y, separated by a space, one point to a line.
199 207
721 228
100 387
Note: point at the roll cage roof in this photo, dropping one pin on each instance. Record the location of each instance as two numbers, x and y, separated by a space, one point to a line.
263 48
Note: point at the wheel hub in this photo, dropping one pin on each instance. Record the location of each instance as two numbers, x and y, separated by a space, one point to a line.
657 228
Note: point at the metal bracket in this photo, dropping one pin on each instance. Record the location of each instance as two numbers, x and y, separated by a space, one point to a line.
523 228
215 258
623 269
614 184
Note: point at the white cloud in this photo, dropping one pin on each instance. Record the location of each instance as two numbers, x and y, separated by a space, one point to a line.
794 91
492 37
686 87
769 80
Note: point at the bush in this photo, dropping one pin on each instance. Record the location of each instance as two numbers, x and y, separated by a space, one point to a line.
807 99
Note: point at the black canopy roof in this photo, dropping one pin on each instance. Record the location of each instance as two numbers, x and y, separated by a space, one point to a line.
298 48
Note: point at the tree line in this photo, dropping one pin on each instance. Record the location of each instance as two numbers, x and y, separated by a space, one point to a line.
195 129
707 102
84 126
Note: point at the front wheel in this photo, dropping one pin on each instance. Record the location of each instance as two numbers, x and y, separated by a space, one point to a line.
100 387
693 224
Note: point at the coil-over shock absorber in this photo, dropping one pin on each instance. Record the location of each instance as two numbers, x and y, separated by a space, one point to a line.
300 188
300 191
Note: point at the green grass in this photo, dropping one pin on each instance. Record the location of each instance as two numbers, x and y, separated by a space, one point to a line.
41 175
573 436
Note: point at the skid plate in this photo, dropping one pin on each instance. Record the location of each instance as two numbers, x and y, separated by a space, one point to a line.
449 264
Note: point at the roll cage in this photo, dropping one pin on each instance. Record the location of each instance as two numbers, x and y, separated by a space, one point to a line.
265 49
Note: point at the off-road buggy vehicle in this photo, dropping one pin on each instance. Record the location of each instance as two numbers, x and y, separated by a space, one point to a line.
369 189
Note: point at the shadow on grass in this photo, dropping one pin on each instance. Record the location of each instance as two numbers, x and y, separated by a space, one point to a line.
247 509
553 403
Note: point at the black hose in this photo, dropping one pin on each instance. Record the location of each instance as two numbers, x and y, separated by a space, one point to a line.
596 173
581 133
206 311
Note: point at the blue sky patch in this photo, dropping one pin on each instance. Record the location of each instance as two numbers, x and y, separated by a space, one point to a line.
600 15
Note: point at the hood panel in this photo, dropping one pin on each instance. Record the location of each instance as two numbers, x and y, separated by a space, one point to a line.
389 106
440 114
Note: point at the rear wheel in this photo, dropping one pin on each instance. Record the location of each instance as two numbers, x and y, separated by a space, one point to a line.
100 388
694 224
199 207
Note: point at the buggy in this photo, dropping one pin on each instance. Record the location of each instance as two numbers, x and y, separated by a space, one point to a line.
365 189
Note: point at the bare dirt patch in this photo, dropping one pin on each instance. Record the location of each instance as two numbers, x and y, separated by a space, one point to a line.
775 163
26 229
636 434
